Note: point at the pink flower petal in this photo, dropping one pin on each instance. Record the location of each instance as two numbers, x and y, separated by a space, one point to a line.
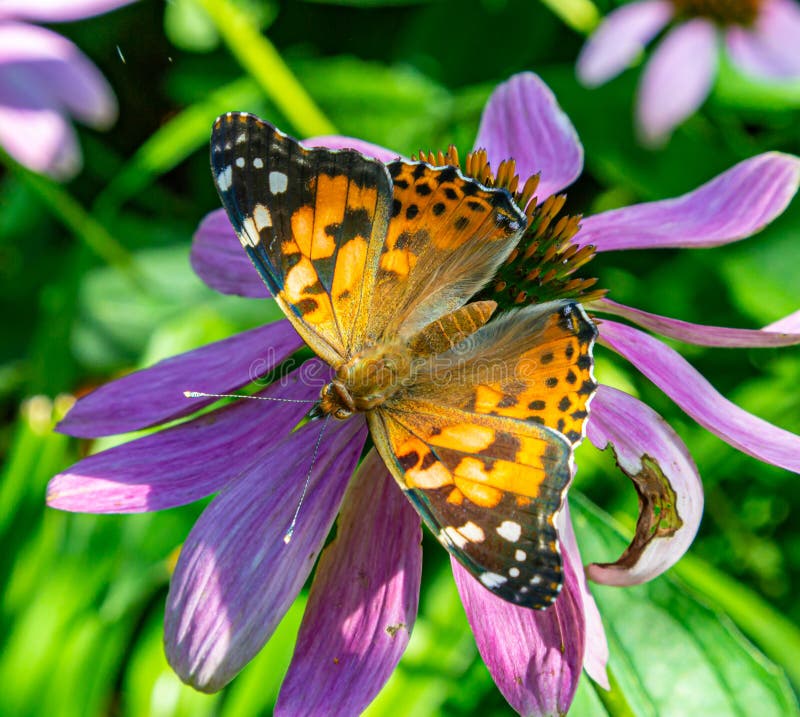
362 604
43 64
670 491
699 334
770 49
676 80
236 576
790 323
730 207
218 259
156 394
335 141
522 120
57 10
35 135
187 462
620 38
668 370
595 659
534 656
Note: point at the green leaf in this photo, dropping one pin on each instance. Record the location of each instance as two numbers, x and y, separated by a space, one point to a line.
670 653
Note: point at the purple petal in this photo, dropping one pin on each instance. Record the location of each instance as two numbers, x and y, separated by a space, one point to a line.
595 659
730 207
362 604
49 68
534 656
57 10
769 50
676 80
620 38
790 323
522 120
670 491
699 334
184 463
335 141
236 576
668 370
156 394
218 259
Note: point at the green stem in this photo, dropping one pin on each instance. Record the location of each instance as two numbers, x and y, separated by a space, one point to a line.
580 15
613 699
256 54
72 215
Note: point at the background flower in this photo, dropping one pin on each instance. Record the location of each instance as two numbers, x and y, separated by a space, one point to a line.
761 38
44 81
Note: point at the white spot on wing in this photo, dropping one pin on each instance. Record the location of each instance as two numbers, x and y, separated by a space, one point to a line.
249 235
258 163
492 580
454 537
224 178
241 138
535 580
472 531
262 217
240 162
278 182
510 530
520 555
513 572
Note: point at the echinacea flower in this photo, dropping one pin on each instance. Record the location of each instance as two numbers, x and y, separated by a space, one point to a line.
235 576
761 38
44 80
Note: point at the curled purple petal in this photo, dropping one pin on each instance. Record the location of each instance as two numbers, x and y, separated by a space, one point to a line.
534 656
730 207
362 604
236 576
676 80
156 394
699 334
335 141
673 374
595 659
670 491
620 38
769 50
522 120
187 462
218 259
57 10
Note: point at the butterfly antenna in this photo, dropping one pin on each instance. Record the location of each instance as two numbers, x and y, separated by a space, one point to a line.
289 533
201 394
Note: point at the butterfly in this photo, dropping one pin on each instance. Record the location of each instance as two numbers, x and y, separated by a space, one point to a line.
374 265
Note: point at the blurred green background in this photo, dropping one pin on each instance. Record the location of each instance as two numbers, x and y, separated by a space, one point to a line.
95 282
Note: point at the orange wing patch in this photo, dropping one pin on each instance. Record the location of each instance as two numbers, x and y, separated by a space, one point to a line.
550 383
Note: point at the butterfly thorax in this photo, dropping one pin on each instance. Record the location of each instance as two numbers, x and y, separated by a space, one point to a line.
366 380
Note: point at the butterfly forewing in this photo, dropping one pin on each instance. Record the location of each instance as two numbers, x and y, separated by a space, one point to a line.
447 236
312 220
487 486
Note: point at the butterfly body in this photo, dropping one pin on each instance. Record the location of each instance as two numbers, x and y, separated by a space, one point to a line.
476 416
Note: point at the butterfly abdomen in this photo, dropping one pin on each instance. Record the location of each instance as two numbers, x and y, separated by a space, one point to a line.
444 333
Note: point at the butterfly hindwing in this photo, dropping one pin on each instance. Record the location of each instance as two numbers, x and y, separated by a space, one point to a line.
487 486
533 364
312 220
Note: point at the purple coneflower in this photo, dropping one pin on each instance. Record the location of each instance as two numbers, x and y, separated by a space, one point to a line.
235 576
44 80
761 37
